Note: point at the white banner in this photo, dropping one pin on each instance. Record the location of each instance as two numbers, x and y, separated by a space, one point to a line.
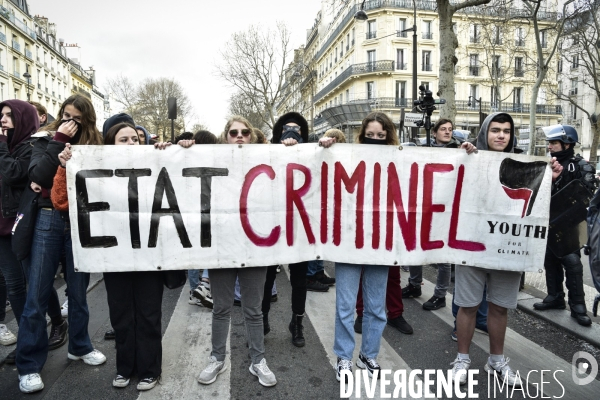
219 206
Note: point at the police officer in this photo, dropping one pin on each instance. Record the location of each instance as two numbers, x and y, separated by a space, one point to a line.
561 142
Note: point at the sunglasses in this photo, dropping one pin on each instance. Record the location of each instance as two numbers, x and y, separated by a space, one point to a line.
293 128
234 132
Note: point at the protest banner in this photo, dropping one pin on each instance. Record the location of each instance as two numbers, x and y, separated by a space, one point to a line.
134 208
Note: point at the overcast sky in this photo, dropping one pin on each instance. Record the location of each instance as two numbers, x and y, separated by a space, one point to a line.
180 39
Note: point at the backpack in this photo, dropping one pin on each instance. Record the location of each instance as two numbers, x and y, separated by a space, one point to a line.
586 173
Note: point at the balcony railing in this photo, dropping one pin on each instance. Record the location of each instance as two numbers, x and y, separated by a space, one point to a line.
402 66
2 37
16 46
400 102
519 73
427 35
497 42
520 42
402 34
19 24
486 106
1 67
574 66
544 44
28 54
427 67
375 66
573 92
474 39
17 74
371 35
473 70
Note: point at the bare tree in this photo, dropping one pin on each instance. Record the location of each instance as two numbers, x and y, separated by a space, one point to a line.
546 40
240 104
147 103
580 46
448 46
253 62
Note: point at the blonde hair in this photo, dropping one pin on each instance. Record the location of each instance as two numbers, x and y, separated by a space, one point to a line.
230 121
337 134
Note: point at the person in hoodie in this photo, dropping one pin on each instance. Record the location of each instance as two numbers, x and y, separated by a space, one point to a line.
19 123
52 236
496 134
143 134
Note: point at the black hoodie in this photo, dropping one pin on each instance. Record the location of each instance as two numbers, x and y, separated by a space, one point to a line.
290 117
15 155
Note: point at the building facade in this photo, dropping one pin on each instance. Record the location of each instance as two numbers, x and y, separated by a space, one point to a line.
351 67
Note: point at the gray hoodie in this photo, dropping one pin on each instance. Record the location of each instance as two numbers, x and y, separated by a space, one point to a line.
482 137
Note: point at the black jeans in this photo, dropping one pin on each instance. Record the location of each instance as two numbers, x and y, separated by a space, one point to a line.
298 281
134 302
269 282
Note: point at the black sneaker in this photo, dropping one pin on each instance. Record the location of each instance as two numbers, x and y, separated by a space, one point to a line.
237 303
370 364
110 335
313 285
411 291
358 324
401 324
324 279
274 298
58 335
434 303
341 366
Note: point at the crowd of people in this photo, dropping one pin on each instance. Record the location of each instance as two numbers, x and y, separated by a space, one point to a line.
35 238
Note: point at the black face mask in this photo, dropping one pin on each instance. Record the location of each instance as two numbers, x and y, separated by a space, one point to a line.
367 140
291 133
77 136
9 134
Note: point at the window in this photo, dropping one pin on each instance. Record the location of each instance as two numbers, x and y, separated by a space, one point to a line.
496 67
474 64
347 41
572 111
544 38
371 58
371 29
455 28
519 37
518 96
426 60
560 88
496 35
401 94
426 30
1 91
16 65
573 90
401 27
474 33
347 95
559 65
473 94
400 59
575 61
519 67
352 36
370 90
494 96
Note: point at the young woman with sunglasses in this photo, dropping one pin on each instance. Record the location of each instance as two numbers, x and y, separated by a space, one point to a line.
252 281
52 236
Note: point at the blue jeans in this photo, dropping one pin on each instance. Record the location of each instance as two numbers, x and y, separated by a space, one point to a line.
193 278
314 267
347 278
482 311
14 277
52 235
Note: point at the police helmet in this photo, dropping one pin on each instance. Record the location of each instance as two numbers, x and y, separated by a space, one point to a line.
562 133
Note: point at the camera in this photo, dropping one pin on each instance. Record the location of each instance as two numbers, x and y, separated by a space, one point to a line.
426 102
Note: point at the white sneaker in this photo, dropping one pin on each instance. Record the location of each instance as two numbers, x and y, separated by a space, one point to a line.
30 383
460 369
92 358
6 337
212 370
203 294
64 309
503 369
263 373
194 301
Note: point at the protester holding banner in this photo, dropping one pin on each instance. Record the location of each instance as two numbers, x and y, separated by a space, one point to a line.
561 142
376 128
496 134
19 123
52 236
289 130
252 284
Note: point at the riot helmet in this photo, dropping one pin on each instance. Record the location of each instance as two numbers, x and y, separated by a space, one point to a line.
562 133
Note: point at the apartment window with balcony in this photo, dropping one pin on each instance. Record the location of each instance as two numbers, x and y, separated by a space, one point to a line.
347 95
425 84
474 33
353 36
517 96
573 90
494 96
371 29
426 30
560 88
370 90
544 38
15 66
400 59
474 64
474 94
572 111
39 79
371 59
519 37
348 41
426 60
575 61
519 72
401 94
16 93
496 35
336 55
401 27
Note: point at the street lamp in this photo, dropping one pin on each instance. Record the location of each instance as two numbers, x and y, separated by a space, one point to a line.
362 16
478 101
27 76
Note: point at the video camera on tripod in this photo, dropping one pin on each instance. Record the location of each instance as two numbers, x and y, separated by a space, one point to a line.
426 104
